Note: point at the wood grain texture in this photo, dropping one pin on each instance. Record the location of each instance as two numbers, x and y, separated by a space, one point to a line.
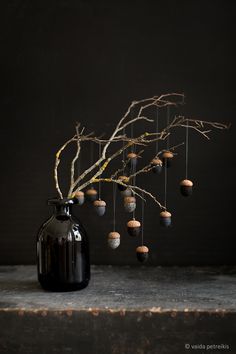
147 310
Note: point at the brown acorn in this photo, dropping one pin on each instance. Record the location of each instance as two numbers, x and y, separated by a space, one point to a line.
100 207
186 187
133 227
79 196
124 179
129 204
113 239
133 159
167 157
142 253
91 194
156 165
165 218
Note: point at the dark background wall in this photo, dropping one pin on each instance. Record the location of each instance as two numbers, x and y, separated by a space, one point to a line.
68 61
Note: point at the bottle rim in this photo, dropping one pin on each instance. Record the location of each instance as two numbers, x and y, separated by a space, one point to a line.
61 202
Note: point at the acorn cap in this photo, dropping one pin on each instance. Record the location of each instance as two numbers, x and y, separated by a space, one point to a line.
142 249
133 223
186 183
132 155
167 155
165 214
156 161
99 203
123 178
91 191
129 200
79 194
113 235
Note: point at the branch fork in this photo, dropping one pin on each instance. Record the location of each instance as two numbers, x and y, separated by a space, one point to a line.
97 169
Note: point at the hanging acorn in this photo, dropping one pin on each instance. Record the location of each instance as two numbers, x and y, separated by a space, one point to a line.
79 196
133 227
165 218
113 239
91 194
186 187
156 165
133 159
129 204
123 179
167 157
142 253
127 192
100 207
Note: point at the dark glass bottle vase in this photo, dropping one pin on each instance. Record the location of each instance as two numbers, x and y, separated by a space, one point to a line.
63 250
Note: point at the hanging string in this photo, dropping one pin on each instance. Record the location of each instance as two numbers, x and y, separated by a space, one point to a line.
91 156
167 146
142 219
165 191
123 153
134 178
132 130
167 124
91 152
133 149
79 156
78 165
99 183
114 207
186 151
157 129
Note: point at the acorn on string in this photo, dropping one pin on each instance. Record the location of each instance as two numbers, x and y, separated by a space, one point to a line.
167 157
123 179
156 165
133 227
100 207
165 218
133 159
91 194
113 239
142 253
126 193
79 196
129 204
186 187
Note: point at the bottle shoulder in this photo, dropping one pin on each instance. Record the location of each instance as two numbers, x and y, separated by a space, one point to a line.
68 228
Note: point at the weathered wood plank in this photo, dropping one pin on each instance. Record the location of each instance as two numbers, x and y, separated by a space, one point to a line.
124 310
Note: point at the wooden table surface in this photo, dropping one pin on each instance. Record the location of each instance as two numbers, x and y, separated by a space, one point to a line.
123 310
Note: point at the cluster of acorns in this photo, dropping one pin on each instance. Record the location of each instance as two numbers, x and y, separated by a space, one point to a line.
100 207
186 186
91 196
134 226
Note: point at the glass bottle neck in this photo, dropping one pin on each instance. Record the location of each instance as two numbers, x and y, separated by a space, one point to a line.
62 207
63 210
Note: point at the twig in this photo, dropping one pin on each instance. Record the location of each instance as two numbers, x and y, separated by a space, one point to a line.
134 189
57 162
155 101
75 158
171 99
149 167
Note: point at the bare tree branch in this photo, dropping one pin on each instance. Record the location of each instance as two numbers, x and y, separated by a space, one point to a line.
171 99
134 189
76 157
158 101
57 162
